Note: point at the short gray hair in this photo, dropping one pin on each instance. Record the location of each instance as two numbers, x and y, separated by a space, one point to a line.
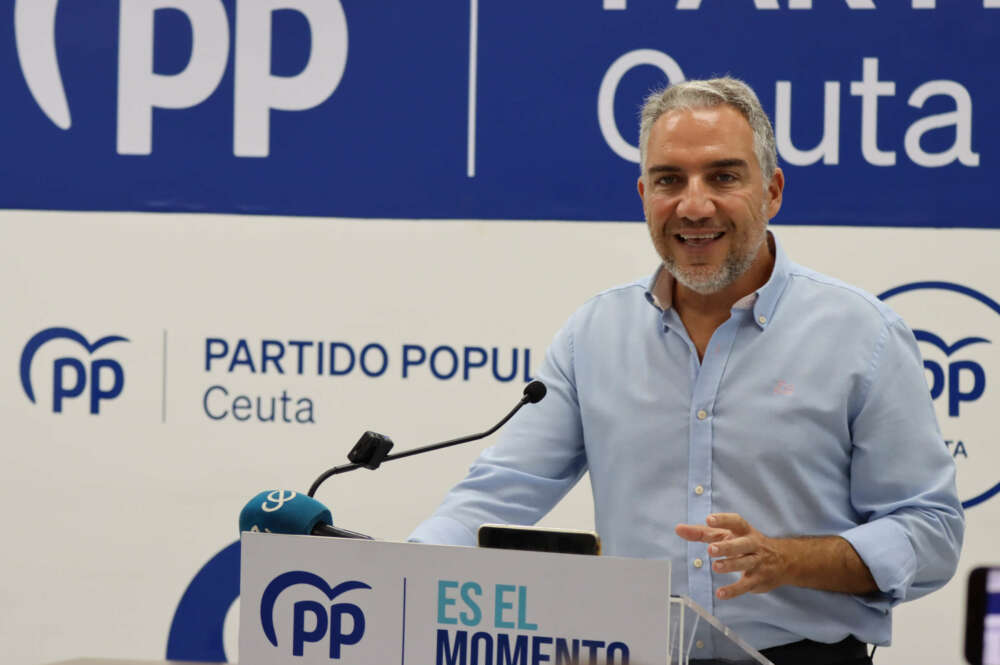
709 93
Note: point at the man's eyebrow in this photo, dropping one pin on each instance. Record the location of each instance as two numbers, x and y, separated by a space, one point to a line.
717 164
663 168
725 163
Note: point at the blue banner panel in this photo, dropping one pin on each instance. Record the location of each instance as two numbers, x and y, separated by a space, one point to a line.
486 109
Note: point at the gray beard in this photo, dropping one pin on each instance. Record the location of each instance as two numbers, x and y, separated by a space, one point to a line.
731 269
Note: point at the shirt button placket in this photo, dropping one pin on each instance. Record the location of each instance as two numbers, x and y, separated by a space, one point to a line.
701 582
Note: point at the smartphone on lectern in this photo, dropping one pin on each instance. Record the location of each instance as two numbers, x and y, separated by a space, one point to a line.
563 541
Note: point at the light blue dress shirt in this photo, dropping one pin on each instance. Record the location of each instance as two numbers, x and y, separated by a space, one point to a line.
809 415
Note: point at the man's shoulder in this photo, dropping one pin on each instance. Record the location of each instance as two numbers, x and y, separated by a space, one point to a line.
810 287
635 289
614 305
627 295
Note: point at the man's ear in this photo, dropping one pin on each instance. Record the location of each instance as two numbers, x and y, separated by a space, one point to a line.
775 188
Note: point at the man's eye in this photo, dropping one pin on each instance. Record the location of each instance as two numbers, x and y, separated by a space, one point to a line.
667 180
725 177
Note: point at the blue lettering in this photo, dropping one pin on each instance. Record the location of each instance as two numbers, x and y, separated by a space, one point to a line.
211 355
204 402
485 640
476 615
444 601
96 393
469 364
299 634
241 406
408 360
520 654
274 358
527 366
241 356
617 653
955 394
522 610
537 642
454 362
447 654
333 358
500 605
300 346
304 414
270 416
364 363
496 365
338 637
593 646
566 656
59 390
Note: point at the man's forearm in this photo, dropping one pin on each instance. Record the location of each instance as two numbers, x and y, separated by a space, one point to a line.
827 563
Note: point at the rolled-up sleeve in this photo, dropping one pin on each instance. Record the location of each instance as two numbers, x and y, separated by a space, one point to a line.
902 478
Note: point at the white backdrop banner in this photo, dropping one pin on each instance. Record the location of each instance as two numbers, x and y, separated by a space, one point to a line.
174 365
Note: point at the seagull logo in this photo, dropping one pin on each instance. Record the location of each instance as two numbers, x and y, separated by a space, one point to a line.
35 36
931 338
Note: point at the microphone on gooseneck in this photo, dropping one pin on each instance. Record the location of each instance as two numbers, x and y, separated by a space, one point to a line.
292 513
373 448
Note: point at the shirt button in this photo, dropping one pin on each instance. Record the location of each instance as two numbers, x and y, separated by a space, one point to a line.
698 563
762 319
699 490
699 644
702 414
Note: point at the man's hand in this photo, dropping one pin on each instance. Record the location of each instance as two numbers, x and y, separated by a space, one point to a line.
741 548
828 563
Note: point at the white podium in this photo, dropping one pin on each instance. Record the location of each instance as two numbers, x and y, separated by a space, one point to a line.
310 601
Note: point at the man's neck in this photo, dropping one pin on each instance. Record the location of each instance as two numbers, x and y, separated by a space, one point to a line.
702 314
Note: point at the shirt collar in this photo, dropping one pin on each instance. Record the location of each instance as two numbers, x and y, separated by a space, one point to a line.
763 301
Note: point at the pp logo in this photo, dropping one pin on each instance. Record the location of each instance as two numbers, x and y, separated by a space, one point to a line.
323 621
140 89
967 373
70 375
955 326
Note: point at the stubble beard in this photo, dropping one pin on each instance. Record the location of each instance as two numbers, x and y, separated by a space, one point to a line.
706 280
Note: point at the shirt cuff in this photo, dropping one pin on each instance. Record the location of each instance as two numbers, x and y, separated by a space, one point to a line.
440 530
886 549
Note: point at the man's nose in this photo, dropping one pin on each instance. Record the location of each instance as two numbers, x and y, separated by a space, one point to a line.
696 201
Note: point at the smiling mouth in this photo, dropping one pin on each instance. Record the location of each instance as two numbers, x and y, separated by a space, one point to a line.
700 238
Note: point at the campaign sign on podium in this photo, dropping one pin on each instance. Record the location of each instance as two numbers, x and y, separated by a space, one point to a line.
311 600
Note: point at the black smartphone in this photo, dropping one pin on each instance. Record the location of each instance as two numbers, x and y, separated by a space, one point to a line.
982 617
535 539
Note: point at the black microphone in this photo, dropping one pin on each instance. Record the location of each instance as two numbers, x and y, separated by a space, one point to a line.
373 448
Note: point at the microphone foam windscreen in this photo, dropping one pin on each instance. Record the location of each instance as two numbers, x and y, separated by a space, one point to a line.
283 511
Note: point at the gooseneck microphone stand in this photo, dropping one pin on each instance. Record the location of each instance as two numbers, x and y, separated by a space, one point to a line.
372 449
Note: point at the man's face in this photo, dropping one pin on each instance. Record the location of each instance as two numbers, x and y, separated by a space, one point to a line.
704 197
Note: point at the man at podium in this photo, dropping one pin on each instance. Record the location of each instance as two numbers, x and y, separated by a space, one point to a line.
765 427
